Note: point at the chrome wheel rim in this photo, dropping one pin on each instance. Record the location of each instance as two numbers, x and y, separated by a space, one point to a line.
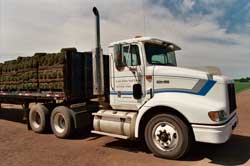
165 136
36 119
59 123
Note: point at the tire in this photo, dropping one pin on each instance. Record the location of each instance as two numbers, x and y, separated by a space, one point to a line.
61 122
38 118
167 136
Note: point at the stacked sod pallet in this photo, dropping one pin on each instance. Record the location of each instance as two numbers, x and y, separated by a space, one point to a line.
50 72
40 72
18 74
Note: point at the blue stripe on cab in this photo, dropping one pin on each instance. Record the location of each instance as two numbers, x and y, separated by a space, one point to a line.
202 92
122 93
173 91
206 88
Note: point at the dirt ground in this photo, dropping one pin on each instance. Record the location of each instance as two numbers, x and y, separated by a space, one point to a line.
21 147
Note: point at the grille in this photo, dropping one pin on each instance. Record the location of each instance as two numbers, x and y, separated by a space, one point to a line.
231 97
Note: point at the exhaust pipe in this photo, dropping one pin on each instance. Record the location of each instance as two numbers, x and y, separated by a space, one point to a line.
98 80
96 13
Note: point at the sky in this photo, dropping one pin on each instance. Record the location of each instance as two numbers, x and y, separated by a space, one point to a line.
210 32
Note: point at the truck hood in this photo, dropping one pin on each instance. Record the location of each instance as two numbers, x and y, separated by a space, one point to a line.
210 69
180 72
215 72
198 73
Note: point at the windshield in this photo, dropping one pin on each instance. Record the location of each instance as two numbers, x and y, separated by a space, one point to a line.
159 55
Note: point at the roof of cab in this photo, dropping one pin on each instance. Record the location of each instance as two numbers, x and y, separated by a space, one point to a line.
145 39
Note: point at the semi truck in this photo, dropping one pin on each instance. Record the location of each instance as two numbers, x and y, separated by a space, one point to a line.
136 92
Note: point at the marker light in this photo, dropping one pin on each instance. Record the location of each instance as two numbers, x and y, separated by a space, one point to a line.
217 116
149 77
138 36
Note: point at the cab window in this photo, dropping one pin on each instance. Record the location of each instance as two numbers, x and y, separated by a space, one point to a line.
126 55
131 55
159 55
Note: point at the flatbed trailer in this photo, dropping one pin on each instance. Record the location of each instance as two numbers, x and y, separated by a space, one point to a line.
77 91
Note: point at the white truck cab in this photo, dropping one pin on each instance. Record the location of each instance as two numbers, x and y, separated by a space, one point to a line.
169 106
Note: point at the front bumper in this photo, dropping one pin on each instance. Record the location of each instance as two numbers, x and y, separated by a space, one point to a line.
215 133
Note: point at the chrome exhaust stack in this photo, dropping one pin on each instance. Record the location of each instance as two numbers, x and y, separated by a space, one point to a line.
98 80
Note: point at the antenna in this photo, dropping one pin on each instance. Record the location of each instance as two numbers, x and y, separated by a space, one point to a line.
144 18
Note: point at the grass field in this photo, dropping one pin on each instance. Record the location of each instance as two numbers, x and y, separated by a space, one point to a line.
241 86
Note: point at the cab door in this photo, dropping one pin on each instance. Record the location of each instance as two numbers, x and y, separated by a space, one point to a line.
128 77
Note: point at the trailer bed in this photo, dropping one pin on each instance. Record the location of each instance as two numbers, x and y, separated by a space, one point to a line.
26 97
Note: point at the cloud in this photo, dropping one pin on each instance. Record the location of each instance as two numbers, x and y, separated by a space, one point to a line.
30 26
187 5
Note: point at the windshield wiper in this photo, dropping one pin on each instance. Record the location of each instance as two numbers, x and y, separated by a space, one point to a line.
163 64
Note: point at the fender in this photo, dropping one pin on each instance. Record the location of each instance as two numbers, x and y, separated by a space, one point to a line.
193 107
81 118
82 115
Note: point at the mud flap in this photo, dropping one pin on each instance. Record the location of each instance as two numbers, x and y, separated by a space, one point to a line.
82 119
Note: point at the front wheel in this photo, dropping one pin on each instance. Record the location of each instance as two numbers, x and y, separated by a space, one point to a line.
167 136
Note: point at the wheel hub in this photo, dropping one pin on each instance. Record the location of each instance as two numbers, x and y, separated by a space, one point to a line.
165 136
59 123
36 119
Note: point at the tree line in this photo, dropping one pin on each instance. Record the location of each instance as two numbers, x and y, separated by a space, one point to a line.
246 79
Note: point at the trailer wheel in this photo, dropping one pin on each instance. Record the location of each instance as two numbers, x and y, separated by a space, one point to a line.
38 118
167 136
61 122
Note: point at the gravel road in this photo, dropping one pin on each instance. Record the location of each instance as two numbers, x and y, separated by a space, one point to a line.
20 147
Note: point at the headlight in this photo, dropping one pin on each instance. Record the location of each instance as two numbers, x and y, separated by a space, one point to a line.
217 116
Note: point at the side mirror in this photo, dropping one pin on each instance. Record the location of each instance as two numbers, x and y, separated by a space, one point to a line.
118 49
118 56
137 91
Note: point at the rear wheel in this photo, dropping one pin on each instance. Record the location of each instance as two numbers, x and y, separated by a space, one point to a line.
61 122
38 118
167 136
